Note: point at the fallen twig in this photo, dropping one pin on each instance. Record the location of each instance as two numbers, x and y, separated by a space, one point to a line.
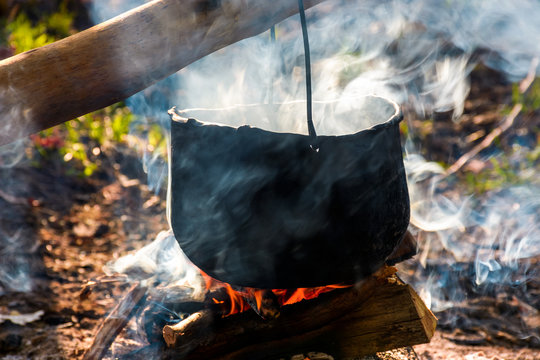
524 85
87 288
505 125
116 321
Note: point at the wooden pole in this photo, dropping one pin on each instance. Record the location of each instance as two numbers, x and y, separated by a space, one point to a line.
118 58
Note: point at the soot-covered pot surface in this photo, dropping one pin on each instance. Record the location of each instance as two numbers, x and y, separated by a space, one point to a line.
265 209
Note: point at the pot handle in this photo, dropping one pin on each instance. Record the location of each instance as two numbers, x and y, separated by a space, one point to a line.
309 101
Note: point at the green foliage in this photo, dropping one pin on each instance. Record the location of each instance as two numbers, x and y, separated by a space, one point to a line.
79 142
156 140
82 141
60 23
533 157
491 179
23 35
513 166
530 100
504 170
404 129
86 137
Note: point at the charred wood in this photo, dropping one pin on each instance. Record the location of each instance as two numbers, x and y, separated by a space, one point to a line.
169 305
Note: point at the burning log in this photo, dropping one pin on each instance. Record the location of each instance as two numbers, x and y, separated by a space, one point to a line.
171 304
195 328
109 62
381 314
174 303
166 305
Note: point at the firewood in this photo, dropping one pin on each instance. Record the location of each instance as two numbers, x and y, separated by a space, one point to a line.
380 314
173 303
165 305
191 332
116 321
251 322
116 59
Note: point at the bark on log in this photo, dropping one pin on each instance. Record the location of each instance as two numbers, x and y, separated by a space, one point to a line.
118 58
380 315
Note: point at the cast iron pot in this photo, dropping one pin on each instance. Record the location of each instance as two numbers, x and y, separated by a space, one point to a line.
264 209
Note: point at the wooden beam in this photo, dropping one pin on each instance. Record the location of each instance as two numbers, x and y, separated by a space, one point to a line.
118 58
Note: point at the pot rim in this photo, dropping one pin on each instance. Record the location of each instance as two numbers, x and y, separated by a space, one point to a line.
394 119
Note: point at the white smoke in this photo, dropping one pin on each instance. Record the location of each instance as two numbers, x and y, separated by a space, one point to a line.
162 261
13 153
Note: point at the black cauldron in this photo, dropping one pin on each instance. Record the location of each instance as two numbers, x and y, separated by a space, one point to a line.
265 209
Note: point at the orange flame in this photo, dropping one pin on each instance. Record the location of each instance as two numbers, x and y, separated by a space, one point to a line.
285 298
237 298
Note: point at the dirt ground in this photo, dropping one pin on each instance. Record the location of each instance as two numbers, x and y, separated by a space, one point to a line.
71 228
59 231
440 348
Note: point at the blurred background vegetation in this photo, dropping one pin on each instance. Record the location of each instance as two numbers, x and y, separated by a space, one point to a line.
82 141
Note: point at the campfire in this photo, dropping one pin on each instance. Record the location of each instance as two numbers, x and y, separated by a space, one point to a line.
208 317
